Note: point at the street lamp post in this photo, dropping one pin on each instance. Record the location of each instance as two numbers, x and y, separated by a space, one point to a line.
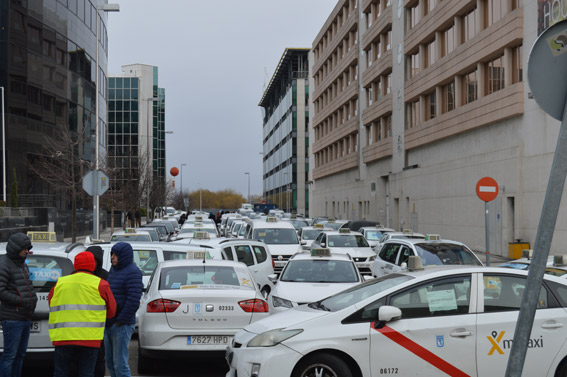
149 170
248 174
286 203
182 165
96 198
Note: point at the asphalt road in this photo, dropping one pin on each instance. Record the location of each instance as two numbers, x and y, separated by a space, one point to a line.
189 367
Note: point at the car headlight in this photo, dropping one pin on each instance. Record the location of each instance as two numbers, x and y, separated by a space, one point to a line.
278 301
372 258
272 337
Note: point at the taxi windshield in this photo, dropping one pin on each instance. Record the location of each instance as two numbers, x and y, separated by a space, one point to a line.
45 270
204 277
310 234
360 292
276 236
373 235
347 240
332 225
320 271
445 254
131 238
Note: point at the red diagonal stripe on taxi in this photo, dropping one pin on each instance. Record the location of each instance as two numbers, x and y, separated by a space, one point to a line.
421 352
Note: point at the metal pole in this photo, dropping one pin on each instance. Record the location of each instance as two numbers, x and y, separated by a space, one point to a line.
542 244
3 149
149 169
248 174
200 201
486 233
96 199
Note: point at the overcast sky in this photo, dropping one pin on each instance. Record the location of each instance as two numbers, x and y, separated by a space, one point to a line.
212 57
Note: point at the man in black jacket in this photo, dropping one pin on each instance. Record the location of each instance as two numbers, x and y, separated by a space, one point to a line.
17 304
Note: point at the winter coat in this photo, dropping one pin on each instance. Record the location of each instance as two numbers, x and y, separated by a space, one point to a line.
98 254
17 296
125 281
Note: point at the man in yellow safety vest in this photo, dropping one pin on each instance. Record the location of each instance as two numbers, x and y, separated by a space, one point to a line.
79 305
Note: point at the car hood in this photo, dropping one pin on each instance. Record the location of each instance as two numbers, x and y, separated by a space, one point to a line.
355 252
289 318
308 292
290 249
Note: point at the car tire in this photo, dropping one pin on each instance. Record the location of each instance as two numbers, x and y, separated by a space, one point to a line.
324 365
145 365
561 369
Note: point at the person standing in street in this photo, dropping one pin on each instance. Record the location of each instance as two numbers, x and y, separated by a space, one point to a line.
79 305
125 279
138 217
98 253
17 304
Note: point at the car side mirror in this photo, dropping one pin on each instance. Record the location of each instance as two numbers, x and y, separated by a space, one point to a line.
387 314
404 266
323 244
273 278
303 242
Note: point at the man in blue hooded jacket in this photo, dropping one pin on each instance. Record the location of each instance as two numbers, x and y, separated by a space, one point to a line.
125 279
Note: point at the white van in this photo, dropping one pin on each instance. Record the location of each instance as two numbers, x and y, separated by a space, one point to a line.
280 236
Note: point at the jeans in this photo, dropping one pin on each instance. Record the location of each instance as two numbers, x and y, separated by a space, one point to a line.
116 342
74 361
16 336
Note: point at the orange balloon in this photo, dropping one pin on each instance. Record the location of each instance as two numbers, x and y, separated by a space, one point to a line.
174 171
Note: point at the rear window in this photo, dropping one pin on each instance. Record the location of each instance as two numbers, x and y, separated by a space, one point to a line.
146 260
445 254
320 271
207 277
45 270
131 238
170 255
276 236
261 254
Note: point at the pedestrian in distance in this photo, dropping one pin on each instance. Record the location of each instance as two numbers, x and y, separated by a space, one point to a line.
138 217
79 305
125 279
98 253
17 304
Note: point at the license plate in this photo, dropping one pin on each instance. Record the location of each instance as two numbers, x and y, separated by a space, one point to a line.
35 326
208 339
280 263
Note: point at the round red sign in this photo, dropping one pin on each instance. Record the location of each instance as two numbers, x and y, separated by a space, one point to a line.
487 189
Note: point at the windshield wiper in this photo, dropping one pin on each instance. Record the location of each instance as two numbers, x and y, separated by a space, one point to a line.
318 305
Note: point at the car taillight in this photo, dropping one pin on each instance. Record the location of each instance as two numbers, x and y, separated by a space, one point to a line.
162 306
254 306
273 264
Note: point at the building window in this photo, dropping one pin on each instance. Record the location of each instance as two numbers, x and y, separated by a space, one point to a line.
413 16
430 54
389 126
389 40
431 105
517 72
495 75
494 10
369 96
34 35
448 40
412 114
413 65
469 25
449 97
470 87
388 83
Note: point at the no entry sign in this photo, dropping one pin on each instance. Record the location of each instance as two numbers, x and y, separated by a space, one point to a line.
487 189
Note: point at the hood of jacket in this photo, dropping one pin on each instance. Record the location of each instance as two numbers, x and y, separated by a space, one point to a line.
125 254
16 243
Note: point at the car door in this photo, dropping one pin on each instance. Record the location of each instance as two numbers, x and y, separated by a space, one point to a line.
498 312
436 330
386 261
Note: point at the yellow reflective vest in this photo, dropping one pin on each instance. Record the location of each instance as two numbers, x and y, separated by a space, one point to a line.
77 311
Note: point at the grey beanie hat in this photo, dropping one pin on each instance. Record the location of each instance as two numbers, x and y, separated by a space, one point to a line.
18 242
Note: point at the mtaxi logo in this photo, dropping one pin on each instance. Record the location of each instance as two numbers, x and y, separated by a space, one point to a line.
558 43
496 338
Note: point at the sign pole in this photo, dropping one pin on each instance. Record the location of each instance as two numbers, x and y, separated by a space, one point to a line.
487 233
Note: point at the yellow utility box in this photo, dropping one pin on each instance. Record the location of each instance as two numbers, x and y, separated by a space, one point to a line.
515 249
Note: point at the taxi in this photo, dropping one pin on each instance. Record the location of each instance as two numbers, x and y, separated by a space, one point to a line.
307 235
195 305
344 241
433 250
405 234
311 276
411 323
556 264
131 235
188 230
373 234
47 262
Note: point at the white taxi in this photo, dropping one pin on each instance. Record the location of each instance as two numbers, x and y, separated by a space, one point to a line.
373 234
556 264
131 235
47 262
457 321
195 305
346 242
311 276
405 234
433 250
307 234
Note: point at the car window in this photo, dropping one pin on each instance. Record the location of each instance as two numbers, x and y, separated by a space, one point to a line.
146 260
228 252
45 270
276 236
405 253
260 252
437 298
205 276
320 271
445 254
389 252
244 254
310 234
504 293
171 255
131 238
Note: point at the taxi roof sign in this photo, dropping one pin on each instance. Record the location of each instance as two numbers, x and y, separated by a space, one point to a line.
130 230
560 260
198 254
200 235
432 237
407 231
527 253
271 219
321 252
379 226
344 230
318 226
42 236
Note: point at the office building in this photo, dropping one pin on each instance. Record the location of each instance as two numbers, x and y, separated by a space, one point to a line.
413 102
48 72
285 141
136 131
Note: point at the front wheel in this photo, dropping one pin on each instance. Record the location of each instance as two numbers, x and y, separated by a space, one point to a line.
322 365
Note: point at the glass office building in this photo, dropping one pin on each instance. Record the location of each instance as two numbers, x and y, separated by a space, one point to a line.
48 72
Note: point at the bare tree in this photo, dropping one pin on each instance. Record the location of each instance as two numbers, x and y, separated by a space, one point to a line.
59 164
